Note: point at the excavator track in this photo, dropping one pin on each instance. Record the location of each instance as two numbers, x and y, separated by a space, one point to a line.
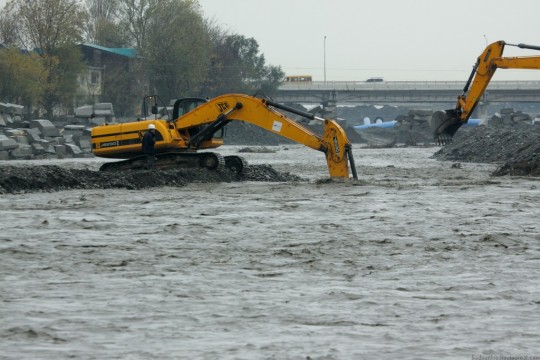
236 164
171 160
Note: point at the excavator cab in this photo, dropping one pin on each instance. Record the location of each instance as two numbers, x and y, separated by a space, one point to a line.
184 105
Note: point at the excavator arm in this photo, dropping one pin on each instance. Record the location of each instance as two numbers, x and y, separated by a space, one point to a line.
446 123
220 111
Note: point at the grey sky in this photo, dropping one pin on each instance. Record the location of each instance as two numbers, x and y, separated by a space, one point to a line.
395 39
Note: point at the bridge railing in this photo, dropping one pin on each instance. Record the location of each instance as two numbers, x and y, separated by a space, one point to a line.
402 85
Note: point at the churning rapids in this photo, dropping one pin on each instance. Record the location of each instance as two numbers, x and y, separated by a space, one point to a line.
420 259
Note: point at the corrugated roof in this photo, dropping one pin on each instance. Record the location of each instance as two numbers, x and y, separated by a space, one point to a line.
127 52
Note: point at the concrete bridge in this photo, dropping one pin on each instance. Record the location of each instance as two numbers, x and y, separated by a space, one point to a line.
443 93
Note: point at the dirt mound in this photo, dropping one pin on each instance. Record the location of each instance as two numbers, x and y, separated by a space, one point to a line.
18 179
518 150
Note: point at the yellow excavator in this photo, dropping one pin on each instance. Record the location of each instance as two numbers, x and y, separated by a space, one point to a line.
198 124
446 123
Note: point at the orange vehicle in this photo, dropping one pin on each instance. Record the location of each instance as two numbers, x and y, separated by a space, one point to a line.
446 123
197 124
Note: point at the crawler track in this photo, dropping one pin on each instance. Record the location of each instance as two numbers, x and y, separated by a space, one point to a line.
172 160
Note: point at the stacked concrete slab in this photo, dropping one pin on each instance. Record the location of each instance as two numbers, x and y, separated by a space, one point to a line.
509 118
39 138
416 118
97 114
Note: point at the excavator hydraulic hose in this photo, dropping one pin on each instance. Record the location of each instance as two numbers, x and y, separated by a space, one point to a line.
213 127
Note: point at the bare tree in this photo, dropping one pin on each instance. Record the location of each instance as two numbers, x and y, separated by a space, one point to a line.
102 9
137 15
102 21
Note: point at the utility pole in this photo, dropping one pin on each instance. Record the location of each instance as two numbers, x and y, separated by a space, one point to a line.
324 51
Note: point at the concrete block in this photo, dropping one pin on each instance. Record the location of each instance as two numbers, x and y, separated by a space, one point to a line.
38 149
14 109
85 144
98 121
2 121
7 119
17 119
47 128
60 151
74 129
7 143
12 132
49 148
68 139
507 120
84 111
4 155
104 106
22 152
22 139
33 134
73 149
103 113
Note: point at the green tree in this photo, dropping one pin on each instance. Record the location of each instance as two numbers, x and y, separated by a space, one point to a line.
52 28
123 86
237 66
110 34
63 67
22 77
177 49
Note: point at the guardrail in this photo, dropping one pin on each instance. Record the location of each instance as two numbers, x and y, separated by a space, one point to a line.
402 85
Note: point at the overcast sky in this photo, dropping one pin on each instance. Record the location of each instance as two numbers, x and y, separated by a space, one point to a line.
394 39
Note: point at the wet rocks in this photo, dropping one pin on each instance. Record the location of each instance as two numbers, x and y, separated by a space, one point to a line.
510 118
516 149
18 179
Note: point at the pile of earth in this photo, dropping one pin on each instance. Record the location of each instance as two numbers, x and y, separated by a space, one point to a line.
517 150
21 179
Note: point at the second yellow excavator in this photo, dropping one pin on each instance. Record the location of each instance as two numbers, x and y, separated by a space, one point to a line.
446 123
197 124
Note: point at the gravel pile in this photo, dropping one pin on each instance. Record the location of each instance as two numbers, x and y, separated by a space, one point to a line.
517 150
20 179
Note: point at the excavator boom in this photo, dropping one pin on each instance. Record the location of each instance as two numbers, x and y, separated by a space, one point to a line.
446 123
263 113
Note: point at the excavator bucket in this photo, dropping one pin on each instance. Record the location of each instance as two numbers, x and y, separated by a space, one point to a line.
444 125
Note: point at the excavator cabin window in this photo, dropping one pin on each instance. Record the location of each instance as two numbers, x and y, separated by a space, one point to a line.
185 105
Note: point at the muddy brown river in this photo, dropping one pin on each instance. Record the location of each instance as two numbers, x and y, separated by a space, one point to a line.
417 260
